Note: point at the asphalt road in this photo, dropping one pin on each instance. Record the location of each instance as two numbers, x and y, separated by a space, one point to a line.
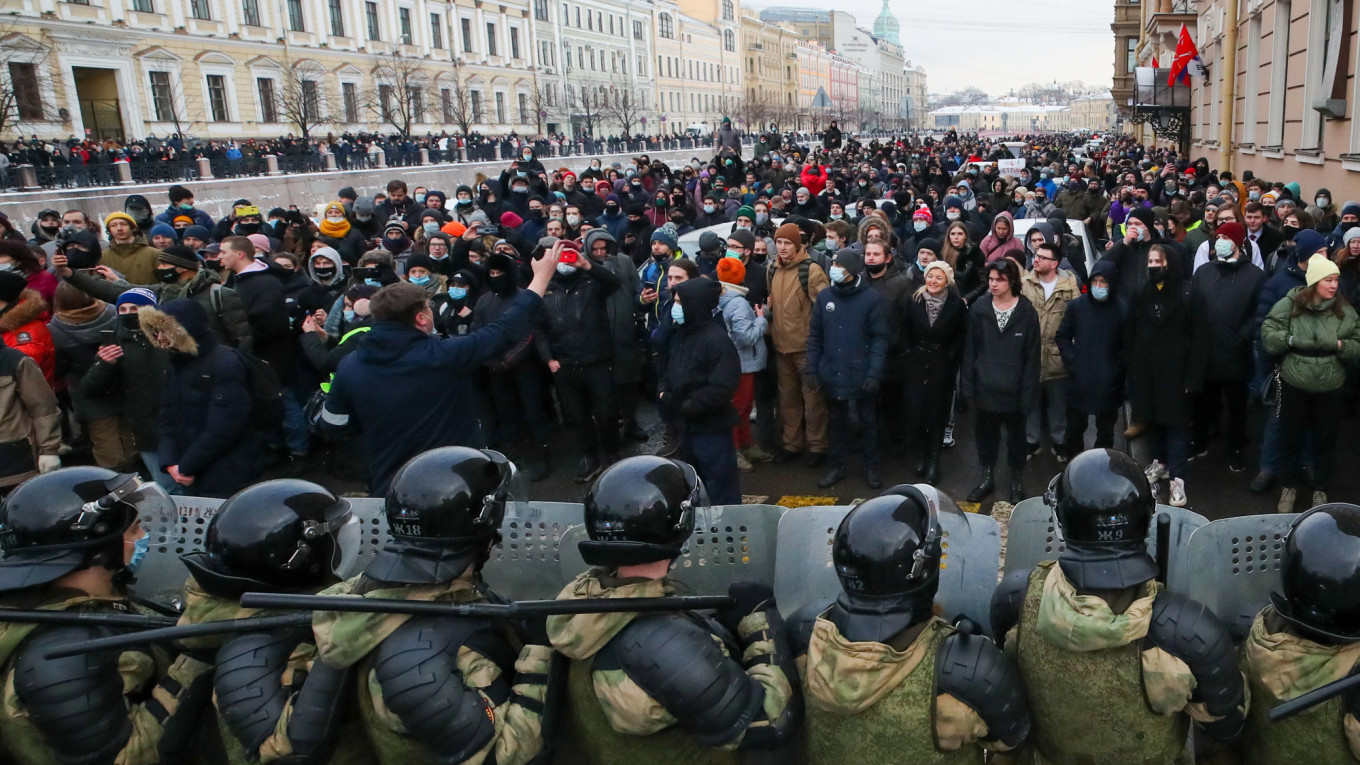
1213 490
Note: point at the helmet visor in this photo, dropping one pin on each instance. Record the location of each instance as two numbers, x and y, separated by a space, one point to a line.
513 491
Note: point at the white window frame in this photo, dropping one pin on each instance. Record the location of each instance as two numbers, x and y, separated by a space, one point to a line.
1251 81
228 74
1279 72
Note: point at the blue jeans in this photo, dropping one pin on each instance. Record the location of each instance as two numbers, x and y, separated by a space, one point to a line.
714 457
163 479
295 433
1270 446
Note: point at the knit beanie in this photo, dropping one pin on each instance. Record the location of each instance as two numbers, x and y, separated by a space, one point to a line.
941 266
731 270
851 260
12 283
179 255
1306 243
746 211
665 235
420 261
510 219
748 240
922 213
1320 267
261 243
1232 230
138 296
120 216
928 244
164 229
791 232
454 229
1351 233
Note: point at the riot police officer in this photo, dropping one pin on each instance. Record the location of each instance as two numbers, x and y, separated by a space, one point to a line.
71 539
1308 637
659 688
1094 630
277 536
441 689
885 679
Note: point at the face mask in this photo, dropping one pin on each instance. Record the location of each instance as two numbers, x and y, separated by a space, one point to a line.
130 321
1290 231
836 216
363 218
919 225
573 220
875 270
464 203
1140 234
430 227
1223 248
521 174
520 190
350 314
1322 201
528 155
166 275
246 229
499 283
139 551
1100 293
8 266
422 281
373 282
661 203
951 215
324 273
457 293
213 265
762 218
731 253
837 274
921 265
611 210
1157 273
565 269
677 313
420 199
708 209
1253 195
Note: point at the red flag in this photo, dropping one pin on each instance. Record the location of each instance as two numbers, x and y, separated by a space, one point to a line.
1187 61
1155 64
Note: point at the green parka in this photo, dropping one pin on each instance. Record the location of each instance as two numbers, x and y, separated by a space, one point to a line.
1312 360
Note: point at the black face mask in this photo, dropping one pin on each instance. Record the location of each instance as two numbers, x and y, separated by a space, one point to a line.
1289 232
500 284
130 321
758 257
535 215
213 265
50 231
1157 273
324 273
167 275
611 209
246 229
876 270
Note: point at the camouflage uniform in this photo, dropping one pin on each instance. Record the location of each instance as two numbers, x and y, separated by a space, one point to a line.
25 744
865 699
516 711
1080 663
1280 666
609 714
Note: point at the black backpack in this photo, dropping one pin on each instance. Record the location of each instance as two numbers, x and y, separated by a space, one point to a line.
266 393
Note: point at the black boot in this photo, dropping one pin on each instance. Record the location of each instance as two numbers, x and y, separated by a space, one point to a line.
872 478
986 485
932 476
922 460
1017 486
833 476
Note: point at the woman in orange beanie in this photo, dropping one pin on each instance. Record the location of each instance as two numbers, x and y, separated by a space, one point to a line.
746 327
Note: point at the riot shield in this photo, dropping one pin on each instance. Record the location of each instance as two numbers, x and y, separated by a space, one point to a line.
968 570
730 543
526 563
1034 536
1232 566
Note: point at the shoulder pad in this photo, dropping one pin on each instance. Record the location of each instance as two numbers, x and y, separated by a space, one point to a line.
1007 599
417 669
248 684
319 710
800 623
1188 630
675 661
76 702
973 670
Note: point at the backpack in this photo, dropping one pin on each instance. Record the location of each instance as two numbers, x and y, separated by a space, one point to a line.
219 314
266 393
803 269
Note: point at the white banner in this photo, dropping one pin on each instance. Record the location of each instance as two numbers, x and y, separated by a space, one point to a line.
1011 167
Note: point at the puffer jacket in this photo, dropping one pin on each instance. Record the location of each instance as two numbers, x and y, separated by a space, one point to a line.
573 327
229 323
703 371
1051 313
1308 342
76 335
24 328
791 305
745 328
1228 292
849 338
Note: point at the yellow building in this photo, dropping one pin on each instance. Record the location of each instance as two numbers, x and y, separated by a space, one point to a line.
244 68
770 84
698 67
814 78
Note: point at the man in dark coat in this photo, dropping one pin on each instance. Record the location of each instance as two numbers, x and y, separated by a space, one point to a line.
206 443
702 374
886 276
847 350
1091 342
1000 373
1227 287
410 392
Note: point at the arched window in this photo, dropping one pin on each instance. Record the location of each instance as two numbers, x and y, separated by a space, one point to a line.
728 12
729 38
666 27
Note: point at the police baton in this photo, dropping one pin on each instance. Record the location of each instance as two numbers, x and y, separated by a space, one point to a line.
1313 698
92 618
166 634
512 610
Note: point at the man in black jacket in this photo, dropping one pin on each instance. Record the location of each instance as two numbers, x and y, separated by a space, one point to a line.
1000 373
889 279
702 375
573 337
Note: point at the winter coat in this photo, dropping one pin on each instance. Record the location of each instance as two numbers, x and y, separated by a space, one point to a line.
621 309
848 339
573 328
1284 281
261 293
229 324
44 283
135 260
934 350
969 276
1166 347
205 426
790 307
24 328
703 369
1228 292
1130 262
745 328
1000 369
320 294
76 335
1051 312
814 178
995 248
1312 360
131 384
28 413
896 291
1091 342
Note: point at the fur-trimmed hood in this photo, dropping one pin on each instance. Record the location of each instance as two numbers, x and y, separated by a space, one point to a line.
154 321
30 308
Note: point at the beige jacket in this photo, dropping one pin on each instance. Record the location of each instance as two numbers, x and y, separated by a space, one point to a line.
1051 313
791 305
28 409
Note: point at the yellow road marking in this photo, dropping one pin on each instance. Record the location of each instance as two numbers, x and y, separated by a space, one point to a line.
804 500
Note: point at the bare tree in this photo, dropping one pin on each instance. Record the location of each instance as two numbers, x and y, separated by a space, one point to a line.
302 99
624 106
464 108
26 91
538 101
585 102
398 97
756 110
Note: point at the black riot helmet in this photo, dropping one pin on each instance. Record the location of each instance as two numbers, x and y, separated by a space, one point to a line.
69 519
641 510
887 556
444 510
276 536
1104 507
1320 577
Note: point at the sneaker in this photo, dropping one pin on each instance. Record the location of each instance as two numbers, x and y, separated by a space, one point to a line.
1197 451
587 469
1319 498
1286 504
948 441
1262 483
1032 451
756 454
1156 472
1178 492
1134 430
1236 462
1059 454
743 464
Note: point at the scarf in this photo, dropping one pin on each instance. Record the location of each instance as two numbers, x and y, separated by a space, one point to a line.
333 229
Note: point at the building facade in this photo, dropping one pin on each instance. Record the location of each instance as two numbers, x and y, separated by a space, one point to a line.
595 59
214 68
814 84
770 82
1127 28
698 68
915 98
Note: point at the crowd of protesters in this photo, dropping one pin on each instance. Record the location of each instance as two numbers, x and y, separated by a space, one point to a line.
841 300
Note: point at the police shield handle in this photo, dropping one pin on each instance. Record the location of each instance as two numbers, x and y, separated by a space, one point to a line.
167 634
516 609
1314 697
1163 545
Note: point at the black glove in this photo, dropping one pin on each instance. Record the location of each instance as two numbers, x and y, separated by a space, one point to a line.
535 630
871 386
746 596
